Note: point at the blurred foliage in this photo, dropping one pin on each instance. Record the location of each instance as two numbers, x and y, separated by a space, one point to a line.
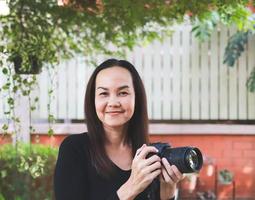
203 28
237 15
242 17
251 81
43 29
236 45
234 49
26 172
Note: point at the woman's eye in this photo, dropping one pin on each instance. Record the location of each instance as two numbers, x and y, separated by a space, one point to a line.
123 94
103 94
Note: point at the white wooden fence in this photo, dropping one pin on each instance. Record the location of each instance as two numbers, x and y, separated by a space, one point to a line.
184 80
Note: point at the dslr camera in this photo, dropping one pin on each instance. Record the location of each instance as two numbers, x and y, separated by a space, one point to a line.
186 159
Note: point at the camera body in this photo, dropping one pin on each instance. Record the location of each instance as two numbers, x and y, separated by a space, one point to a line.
186 159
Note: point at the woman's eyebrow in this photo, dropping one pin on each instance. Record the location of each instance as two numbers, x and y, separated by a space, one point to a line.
103 88
119 88
123 87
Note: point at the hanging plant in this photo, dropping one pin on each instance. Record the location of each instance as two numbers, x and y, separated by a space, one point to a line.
35 65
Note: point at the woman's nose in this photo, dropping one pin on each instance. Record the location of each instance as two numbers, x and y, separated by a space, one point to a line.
113 101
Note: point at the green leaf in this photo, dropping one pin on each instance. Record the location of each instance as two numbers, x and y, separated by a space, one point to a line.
2 197
16 119
5 70
251 81
6 86
3 174
204 26
51 118
15 88
50 132
10 101
32 108
235 47
5 127
25 92
50 92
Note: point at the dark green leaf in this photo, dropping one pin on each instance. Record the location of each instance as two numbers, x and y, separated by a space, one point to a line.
251 81
5 70
5 127
235 47
50 132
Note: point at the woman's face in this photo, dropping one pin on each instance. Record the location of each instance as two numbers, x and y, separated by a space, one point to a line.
114 97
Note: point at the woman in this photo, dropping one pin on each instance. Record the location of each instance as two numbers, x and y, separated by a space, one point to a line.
111 161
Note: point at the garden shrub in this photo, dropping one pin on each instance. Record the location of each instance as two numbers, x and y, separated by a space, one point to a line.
26 172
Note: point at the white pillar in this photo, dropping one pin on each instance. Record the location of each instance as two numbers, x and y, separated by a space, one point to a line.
22 112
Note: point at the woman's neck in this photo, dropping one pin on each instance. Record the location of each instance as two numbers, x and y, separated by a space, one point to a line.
117 147
116 136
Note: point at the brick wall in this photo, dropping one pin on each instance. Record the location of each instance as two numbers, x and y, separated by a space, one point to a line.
233 152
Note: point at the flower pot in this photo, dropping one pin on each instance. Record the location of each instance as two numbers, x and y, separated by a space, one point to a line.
35 65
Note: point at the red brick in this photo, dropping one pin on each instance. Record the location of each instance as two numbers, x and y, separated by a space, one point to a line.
243 145
224 162
249 153
54 140
243 162
4 139
232 153
217 153
223 144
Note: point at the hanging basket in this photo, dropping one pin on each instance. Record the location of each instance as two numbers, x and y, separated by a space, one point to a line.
35 65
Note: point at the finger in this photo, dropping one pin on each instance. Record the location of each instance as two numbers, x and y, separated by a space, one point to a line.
147 149
170 171
138 151
177 173
153 175
166 176
152 167
143 164
166 163
152 159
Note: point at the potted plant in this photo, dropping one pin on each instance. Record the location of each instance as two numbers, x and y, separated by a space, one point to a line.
225 177
34 67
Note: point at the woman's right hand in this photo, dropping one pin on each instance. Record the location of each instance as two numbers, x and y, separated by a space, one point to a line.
143 172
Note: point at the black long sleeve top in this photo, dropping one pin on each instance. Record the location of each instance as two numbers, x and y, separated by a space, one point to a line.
76 179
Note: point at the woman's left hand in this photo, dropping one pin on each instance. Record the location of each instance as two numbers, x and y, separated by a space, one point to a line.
169 178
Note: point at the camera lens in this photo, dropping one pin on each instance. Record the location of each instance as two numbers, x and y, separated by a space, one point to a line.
186 159
192 159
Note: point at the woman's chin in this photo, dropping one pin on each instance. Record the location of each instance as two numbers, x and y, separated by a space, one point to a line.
113 124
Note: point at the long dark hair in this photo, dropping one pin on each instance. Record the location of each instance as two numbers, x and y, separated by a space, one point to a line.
137 133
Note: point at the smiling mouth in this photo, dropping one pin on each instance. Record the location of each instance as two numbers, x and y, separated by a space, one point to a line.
114 112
